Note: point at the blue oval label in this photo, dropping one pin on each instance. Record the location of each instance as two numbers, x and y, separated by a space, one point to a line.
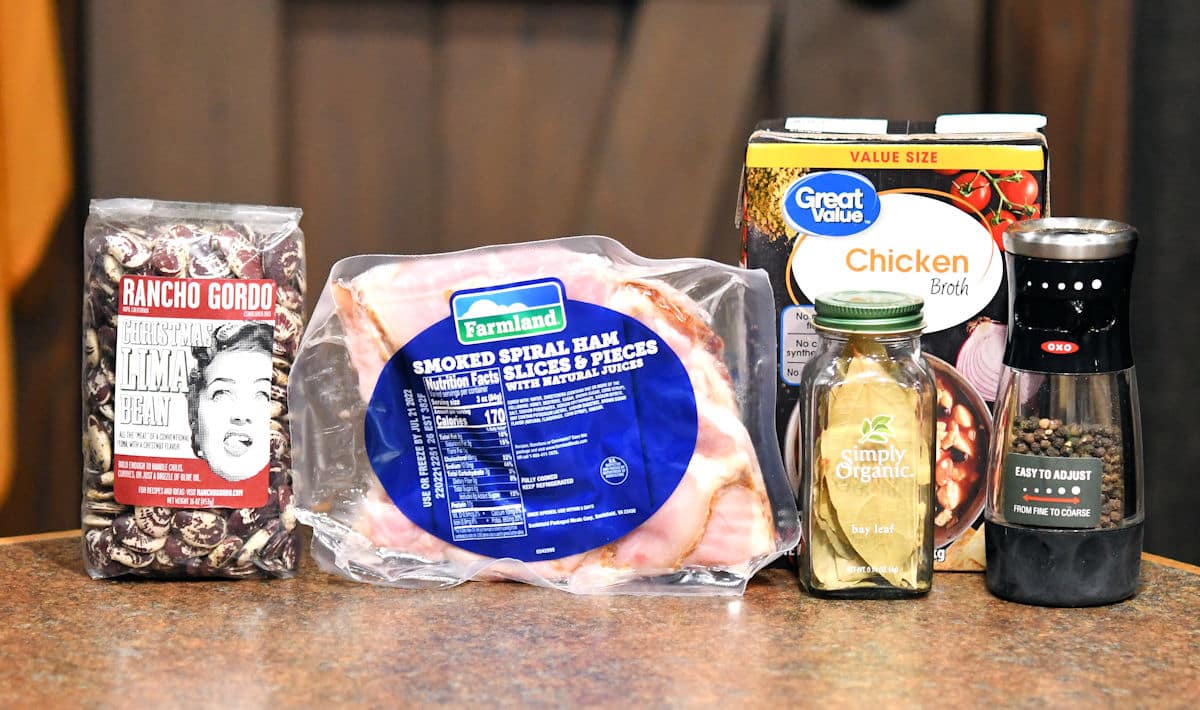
531 440
837 203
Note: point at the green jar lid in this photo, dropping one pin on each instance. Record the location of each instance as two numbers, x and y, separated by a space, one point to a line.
869 312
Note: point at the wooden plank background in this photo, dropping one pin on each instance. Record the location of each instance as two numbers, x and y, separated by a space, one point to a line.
914 60
360 80
1166 331
419 126
184 99
660 182
1089 44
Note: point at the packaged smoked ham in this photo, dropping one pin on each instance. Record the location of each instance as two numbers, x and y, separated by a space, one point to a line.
562 413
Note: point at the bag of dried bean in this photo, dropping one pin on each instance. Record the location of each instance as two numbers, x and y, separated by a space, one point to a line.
192 314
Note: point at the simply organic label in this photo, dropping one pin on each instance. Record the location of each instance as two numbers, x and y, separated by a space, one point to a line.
870 464
193 392
917 245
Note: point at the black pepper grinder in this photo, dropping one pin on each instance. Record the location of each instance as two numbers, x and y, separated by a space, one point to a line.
1064 511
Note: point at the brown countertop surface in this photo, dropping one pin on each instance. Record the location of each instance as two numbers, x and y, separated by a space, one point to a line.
319 641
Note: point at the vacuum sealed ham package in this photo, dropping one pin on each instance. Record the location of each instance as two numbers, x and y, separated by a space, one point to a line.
562 413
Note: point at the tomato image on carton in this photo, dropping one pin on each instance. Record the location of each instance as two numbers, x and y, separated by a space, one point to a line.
920 208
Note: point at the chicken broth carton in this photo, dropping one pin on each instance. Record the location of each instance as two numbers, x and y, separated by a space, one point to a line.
838 204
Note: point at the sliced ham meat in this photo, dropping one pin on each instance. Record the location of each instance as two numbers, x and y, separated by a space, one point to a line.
719 516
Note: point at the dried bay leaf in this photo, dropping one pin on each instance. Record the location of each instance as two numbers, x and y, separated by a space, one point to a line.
829 553
827 520
870 413
830 568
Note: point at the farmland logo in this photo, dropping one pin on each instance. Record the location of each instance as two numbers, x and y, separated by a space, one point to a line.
831 204
518 310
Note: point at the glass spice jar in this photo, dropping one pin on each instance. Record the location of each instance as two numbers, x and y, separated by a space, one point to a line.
1064 512
868 431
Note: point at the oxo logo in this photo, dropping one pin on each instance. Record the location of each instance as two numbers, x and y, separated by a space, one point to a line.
1060 347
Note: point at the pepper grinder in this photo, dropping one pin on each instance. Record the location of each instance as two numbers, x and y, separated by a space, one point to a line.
1064 512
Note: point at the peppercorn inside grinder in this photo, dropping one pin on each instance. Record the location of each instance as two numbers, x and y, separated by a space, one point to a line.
1064 511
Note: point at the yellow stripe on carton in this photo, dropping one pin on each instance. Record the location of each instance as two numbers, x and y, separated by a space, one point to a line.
908 156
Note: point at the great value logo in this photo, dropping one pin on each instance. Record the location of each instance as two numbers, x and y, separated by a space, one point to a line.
484 315
837 203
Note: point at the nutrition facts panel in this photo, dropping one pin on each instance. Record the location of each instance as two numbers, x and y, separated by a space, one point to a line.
797 342
471 429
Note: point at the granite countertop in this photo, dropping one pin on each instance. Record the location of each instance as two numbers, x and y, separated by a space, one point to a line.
317 640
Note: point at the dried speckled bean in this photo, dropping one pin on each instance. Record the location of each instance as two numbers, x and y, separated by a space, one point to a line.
243 522
256 542
181 551
279 372
281 477
170 256
139 541
130 250
280 549
289 298
97 446
129 558
98 545
237 250
100 385
287 509
208 261
280 442
106 337
200 528
285 262
250 570
91 348
113 271
278 405
289 326
93 520
108 508
224 551
153 520
176 538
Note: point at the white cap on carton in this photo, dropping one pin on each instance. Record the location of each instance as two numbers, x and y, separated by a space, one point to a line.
855 126
989 123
